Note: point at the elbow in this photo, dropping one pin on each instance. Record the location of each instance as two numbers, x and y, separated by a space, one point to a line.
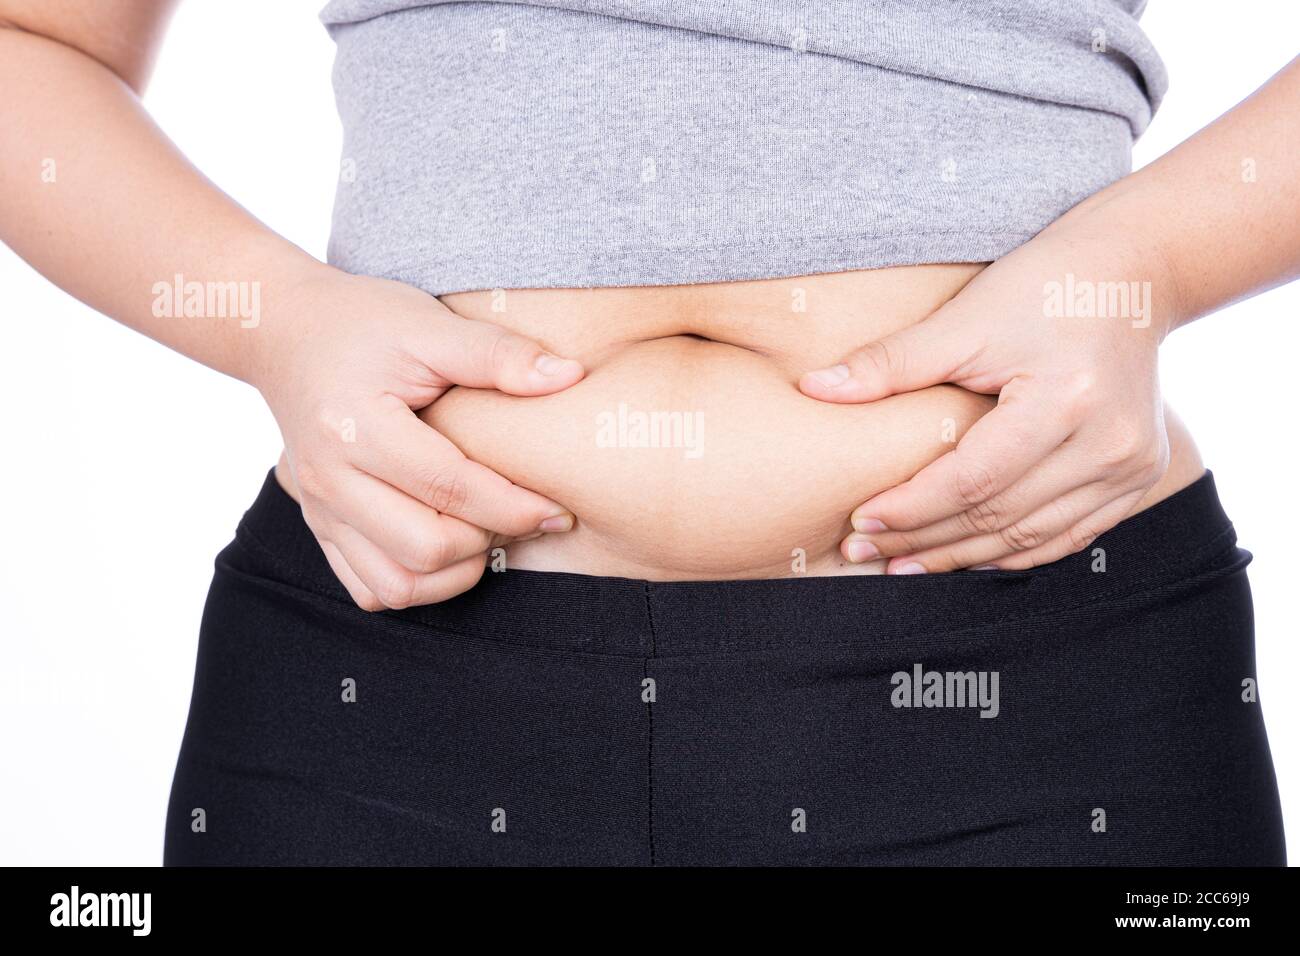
126 47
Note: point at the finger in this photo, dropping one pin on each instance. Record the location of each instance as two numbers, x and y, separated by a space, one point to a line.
360 594
1028 533
396 587
417 459
1077 538
997 451
487 356
1065 469
412 534
924 354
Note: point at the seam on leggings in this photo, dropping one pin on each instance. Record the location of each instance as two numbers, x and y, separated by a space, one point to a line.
650 735
649 617
650 776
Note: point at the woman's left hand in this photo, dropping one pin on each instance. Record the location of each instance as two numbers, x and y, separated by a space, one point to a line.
1077 437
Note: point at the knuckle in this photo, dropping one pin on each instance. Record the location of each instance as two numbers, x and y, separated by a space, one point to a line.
1079 537
1127 444
1020 536
984 517
310 479
327 428
899 543
944 561
1079 392
504 350
396 590
974 483
435 554
875 358
444 491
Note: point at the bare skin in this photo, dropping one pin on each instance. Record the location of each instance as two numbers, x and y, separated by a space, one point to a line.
1078 439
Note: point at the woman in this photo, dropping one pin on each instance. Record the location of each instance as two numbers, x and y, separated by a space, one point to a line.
652 335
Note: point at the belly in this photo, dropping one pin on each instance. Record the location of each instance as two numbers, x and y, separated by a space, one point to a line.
687 452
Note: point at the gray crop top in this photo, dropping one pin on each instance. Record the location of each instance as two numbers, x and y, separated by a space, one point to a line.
575 143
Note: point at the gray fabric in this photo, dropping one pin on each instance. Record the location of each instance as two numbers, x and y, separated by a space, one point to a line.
573 143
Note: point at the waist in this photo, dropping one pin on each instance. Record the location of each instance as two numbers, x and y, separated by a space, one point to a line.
688 452
1178 547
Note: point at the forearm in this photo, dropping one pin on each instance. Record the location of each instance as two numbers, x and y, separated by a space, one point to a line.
96 198
1216 219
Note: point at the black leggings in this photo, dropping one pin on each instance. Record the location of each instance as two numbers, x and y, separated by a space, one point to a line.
1100 710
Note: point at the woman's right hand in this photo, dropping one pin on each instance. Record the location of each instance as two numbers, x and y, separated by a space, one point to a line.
403 517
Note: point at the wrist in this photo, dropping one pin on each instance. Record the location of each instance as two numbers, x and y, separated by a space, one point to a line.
288 310
1113 222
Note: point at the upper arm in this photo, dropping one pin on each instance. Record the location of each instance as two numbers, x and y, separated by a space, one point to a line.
124 35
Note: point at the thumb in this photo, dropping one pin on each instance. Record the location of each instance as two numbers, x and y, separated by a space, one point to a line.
920 355
483 355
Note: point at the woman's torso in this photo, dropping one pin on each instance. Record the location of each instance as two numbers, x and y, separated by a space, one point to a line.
673 156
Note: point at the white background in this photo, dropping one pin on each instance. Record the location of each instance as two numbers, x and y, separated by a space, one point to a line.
126 467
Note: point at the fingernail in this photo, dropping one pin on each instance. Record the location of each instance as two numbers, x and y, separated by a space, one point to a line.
549 364
860 549
985 567
831 377
909 567
868 525
557 523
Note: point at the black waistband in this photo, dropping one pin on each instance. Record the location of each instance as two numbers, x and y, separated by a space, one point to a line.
1164 544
